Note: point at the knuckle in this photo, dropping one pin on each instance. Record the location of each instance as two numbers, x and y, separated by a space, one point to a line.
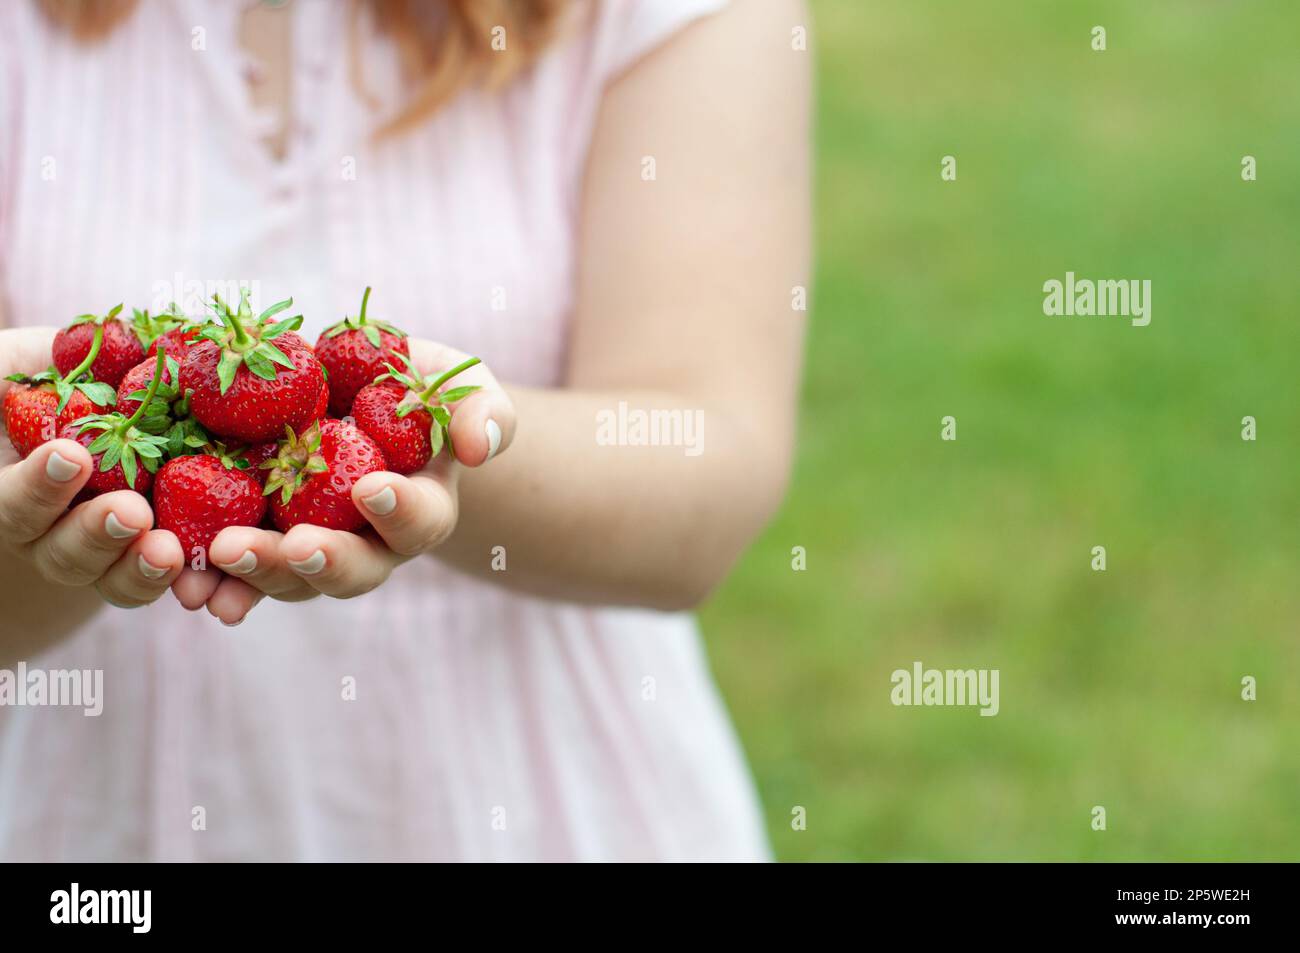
23 517
412 546
433 536
419 534
355 589
56 564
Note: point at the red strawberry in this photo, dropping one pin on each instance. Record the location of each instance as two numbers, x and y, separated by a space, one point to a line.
176 342
355 351
118 448
312 476
121 349
258 454
32 416
403 440
137 379
250 379
196 497
36 408
406 415
105 481
322 406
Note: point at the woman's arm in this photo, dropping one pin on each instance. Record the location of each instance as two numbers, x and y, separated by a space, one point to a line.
684 303
684 307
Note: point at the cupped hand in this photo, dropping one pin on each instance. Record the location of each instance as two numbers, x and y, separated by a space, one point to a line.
107 542
245 565
408 515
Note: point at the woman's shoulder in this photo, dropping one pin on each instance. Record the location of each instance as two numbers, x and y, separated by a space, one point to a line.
617 33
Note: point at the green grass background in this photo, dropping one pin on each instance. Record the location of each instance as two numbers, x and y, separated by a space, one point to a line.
1118 688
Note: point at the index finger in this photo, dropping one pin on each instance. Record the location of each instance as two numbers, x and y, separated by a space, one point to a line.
35 493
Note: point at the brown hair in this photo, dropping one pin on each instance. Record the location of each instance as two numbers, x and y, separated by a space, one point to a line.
442 48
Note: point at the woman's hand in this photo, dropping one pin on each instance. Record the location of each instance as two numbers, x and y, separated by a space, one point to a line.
107 542
409 515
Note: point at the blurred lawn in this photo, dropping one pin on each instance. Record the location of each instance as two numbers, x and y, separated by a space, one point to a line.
1118 688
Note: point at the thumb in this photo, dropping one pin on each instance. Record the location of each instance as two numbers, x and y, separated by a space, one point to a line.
482 426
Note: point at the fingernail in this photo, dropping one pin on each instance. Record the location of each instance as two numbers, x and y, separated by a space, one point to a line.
246 564
60 470
494 437
231 625
115 528
311 565
150 571
382 503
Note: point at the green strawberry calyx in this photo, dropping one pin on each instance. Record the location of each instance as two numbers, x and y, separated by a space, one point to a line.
247 341
232 458
167 413
98 319
370 329
149 328
100 394
120 440
299 459
422 393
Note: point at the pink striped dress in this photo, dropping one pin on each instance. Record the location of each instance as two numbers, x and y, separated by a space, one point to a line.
485 725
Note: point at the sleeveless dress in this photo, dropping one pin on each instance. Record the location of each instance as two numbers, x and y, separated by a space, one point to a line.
447 719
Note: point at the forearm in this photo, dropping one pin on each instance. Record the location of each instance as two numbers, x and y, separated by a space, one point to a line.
37 614
657 526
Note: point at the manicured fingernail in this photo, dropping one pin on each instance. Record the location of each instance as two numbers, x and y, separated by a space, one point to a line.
494 437
115 528
246 564
60 470
150 571
311 565
382 503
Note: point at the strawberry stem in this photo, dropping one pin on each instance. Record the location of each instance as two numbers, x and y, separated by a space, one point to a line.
149 394
427 394
365 299
93 353
241 339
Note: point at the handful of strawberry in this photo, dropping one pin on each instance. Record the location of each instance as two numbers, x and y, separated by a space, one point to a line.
234 421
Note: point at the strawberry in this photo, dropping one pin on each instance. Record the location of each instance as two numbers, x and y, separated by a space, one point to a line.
258 454
36 408
196 497
137 379
321 410
249 378
118 448
173 330
312 476
169 413
354 351
121 349
177 342
406 415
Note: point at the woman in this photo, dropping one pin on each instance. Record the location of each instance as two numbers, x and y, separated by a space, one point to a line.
607 202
